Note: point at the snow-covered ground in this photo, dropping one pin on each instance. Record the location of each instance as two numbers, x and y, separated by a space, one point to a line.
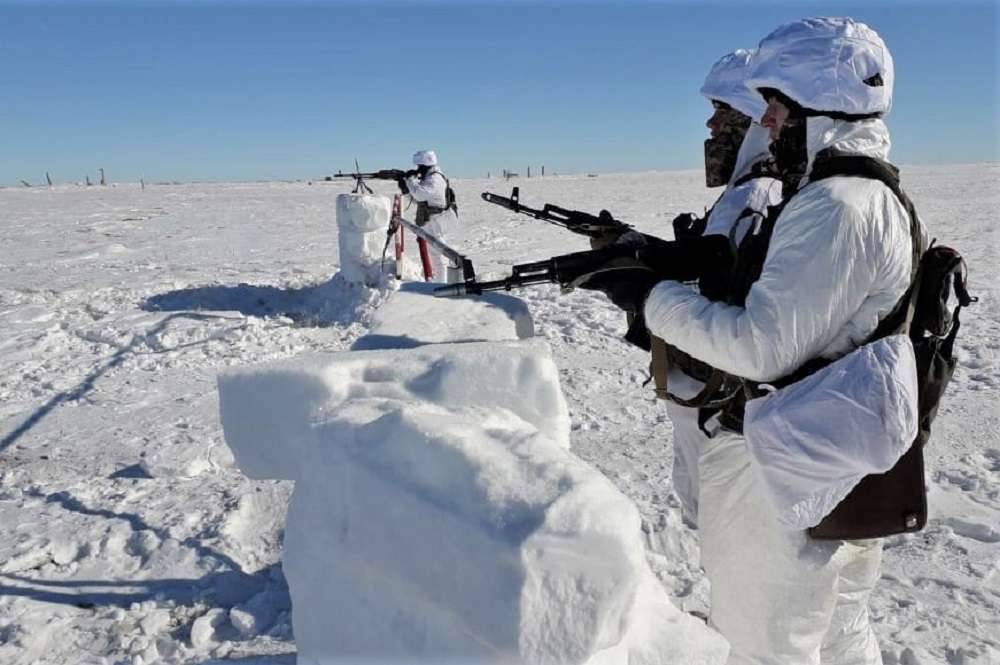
128 535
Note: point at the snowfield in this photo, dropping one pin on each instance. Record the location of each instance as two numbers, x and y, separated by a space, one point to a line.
128 535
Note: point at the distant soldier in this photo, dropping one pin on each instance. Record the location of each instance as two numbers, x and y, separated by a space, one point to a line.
436 207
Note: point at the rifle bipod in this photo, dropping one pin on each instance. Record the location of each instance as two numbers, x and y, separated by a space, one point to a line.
359 182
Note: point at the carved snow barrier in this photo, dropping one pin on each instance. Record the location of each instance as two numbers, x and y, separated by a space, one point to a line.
362 222
413 317
438 515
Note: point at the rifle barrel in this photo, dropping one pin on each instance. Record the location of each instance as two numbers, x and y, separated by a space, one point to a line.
593 226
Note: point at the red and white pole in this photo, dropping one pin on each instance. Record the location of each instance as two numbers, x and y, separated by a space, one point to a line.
397 211
425 259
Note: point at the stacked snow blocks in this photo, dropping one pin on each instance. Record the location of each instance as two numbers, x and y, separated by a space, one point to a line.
439 516
362 222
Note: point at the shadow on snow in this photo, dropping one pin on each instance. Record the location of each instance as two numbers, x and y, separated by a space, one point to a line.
88 382
334 302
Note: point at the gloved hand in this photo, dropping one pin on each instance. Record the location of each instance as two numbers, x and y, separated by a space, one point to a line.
603 240
627 288
687 225
629 239
402 185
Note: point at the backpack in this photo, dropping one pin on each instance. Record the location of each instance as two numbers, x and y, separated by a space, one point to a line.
424 210
449 197
896 501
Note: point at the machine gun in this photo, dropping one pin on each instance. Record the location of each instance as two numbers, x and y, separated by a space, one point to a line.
682 260
384 174
601 227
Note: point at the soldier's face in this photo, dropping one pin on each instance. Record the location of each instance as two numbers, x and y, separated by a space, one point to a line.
774 117
714 122
724 118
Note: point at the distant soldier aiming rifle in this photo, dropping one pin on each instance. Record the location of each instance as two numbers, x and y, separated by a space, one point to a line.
437 209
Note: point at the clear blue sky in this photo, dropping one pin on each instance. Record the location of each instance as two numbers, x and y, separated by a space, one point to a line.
227 91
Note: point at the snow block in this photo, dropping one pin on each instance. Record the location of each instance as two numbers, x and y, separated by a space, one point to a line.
439 516
414 317
362 222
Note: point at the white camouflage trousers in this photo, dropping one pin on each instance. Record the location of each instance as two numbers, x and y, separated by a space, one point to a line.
438 226
778 596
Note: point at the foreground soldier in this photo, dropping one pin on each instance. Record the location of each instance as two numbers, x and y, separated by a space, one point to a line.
436 208
839 259
735 156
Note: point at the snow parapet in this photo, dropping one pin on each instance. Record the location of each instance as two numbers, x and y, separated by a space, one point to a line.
362 222
414 318
438 514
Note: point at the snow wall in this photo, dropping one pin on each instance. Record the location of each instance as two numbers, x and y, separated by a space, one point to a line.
438 514
362 222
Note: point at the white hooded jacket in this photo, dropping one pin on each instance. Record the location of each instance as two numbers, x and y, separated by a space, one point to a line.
839 259
432 190
429 189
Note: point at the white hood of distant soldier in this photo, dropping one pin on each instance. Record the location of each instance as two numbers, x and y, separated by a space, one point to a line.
755 148
726 82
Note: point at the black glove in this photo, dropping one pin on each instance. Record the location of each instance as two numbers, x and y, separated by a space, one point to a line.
402 185
686 225
627 288
603 240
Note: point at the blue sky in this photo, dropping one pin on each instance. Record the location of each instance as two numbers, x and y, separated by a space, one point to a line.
253 90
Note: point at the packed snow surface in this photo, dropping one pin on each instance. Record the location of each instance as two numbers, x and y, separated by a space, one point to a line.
128 535
439 517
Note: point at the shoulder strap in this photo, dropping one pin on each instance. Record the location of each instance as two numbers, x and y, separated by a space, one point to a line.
449 204
756 171
831 162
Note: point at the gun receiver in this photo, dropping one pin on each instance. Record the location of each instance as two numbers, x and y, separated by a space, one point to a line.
602 225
